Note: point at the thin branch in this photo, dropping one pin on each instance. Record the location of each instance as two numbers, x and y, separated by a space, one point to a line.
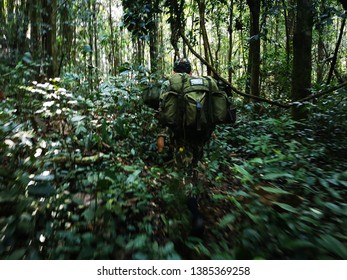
321 93
271 102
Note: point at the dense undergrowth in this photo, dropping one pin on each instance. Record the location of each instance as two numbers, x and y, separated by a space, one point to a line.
80 178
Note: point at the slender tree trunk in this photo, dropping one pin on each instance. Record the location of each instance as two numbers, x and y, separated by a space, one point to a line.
90 65
254 47
333 62
302 65
320 47
2 17
219 39
230 49
54 37
320 55
161 45
139 53
118 52
153 43
288 40
206 43
95 35
175 25
112 38
73 50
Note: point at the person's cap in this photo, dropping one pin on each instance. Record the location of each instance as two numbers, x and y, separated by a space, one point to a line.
182 65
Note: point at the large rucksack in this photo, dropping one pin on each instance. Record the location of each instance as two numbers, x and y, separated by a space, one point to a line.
192 106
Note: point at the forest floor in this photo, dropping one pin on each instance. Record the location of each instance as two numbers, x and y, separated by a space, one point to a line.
80 178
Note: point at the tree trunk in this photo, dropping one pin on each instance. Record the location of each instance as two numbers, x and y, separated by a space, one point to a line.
175 26
206 44
49 8
2 18
289 27
230 31
161 45
217 61
112 40
153 37
22 27
333 63
34 31
254 47
95 12
90 65
320 48
302 65
66 31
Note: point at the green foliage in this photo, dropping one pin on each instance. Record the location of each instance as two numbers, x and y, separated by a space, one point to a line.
139 17
294 178
80 179
80 188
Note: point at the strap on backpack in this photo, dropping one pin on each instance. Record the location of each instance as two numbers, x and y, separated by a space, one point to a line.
180 108
198 115
209 103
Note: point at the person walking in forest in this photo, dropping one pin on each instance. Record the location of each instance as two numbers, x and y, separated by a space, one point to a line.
187 141
189 109
174 133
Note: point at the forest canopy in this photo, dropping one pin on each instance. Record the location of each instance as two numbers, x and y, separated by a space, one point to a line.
80 176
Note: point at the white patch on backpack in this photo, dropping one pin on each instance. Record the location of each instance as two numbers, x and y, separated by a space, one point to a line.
195 82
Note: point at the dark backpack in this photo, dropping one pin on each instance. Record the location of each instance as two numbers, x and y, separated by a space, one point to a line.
193 106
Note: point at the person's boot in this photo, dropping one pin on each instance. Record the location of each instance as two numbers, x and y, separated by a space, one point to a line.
198 222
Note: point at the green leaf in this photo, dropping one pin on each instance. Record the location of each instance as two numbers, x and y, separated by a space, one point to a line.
298 244
256 160
286 207
201 249
219 196
332 245
77 118
27 58
274 190
88 214
324 183
274 176
227 219
334 208
137 243
239 206
129 168
132 177
246 176
104 133
140 256
309 220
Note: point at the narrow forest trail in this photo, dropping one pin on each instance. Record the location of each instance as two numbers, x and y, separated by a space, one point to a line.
213 206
